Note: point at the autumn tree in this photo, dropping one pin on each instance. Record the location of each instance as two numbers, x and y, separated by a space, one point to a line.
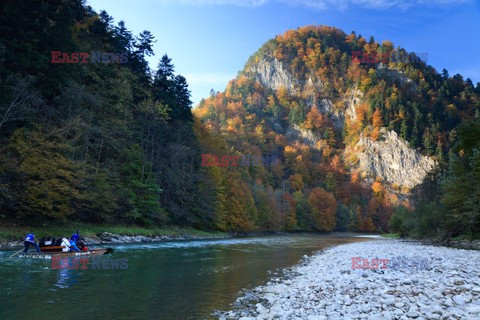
290 211
323 206
314 120
377 124
296 182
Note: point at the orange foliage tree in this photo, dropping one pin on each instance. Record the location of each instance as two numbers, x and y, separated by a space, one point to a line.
377 124
314 119
323 206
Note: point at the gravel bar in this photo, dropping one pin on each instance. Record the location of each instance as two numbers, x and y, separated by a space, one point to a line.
324 286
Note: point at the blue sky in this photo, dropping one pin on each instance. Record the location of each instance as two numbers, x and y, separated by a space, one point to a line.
209 41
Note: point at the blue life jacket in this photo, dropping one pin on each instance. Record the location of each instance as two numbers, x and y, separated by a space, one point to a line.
30 237
74 237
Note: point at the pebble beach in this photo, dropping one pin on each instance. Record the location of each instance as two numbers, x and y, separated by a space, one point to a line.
324 286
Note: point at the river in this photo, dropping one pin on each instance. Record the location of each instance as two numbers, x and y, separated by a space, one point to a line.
167 280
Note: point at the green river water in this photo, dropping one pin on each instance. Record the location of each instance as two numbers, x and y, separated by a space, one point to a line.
167 280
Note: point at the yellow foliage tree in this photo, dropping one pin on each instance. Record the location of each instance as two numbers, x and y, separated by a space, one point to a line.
296 182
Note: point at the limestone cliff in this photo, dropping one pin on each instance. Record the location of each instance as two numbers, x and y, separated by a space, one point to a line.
273 74
391 159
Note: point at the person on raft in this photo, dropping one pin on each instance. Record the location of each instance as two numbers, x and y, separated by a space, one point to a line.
47 241
30 240
68 245
75 236
78 240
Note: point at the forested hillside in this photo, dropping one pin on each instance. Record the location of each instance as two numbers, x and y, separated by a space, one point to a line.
96 142
301 96
117 142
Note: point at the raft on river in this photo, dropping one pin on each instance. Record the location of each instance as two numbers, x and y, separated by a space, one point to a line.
70 254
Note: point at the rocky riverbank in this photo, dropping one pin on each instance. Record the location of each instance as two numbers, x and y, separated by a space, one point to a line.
111 238
461 244
325 286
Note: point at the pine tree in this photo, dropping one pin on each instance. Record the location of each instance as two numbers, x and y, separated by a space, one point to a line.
439 152
428 142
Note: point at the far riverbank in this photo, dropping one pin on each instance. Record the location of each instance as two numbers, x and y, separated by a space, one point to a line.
12 237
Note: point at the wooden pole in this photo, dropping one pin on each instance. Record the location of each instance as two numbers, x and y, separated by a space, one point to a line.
16 253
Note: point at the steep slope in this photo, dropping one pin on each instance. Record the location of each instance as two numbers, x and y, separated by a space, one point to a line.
353 138
92 142
392 159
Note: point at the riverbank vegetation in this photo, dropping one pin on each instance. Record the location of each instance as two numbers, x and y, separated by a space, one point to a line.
17 233
449 203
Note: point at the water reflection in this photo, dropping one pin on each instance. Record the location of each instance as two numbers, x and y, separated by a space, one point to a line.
67 278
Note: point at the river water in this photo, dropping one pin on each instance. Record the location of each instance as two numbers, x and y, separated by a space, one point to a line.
167 280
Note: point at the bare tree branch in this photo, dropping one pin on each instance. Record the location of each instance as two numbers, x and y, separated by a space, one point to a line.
22 100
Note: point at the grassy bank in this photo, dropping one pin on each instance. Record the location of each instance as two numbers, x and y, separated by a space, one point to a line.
391 235
13 233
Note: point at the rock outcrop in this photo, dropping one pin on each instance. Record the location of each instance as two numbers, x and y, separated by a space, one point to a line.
273 74
294 132
391 159
352 99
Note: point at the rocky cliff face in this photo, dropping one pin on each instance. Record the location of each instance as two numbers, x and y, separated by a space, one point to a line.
305 136
351 100
273 74
391 159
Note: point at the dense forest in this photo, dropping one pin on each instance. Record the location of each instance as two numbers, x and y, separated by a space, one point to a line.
118 143
93 142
